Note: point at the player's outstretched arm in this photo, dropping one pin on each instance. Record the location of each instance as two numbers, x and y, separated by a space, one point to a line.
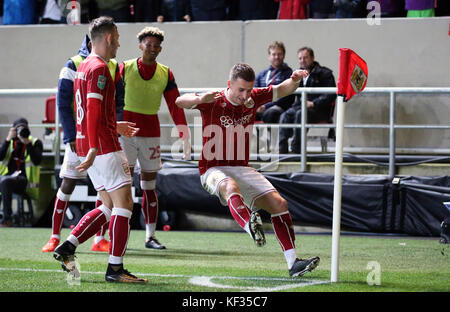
288 86
190 100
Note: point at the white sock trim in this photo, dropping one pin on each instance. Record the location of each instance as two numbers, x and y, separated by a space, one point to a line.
121 212
62 196
115 260
73 240
106 211
148 185
291 256
279 214
98 238
149 230
55 236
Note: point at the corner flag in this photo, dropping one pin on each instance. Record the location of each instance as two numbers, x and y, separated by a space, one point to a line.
352 74
352 80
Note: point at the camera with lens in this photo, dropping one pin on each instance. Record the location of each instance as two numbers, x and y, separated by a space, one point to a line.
23 131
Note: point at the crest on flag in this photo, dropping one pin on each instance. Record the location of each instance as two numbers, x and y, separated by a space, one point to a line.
352 77
358 79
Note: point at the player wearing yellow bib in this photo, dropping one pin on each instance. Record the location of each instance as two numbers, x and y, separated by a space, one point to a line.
146 82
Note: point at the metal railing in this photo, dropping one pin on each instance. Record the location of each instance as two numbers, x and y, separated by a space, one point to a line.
391 91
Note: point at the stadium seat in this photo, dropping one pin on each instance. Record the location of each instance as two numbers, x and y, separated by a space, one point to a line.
50 111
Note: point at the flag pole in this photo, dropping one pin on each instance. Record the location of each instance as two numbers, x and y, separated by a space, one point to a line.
337 196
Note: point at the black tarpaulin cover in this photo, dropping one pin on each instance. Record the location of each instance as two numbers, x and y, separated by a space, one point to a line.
413 205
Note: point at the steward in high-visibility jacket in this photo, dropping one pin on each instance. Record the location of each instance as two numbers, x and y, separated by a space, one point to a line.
20 158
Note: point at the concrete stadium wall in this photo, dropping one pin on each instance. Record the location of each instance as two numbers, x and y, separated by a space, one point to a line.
399 53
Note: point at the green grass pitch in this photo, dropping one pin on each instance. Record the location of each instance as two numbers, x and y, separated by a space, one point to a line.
229 262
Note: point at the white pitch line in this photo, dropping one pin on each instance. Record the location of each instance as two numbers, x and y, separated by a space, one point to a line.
204 281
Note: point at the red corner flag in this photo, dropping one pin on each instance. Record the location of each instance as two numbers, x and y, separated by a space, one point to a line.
352 74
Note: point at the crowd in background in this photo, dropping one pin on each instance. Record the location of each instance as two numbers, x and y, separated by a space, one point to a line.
128 11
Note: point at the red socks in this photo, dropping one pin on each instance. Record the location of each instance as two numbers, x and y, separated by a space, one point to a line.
150 206
284 230
238 209
59 211
90 224
119 231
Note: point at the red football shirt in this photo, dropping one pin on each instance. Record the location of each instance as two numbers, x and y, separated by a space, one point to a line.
94 94
227 128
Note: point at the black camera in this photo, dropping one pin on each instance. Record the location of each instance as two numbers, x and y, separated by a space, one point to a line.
23 131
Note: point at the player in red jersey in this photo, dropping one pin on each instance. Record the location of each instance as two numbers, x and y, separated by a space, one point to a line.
227 118
101 156
146 82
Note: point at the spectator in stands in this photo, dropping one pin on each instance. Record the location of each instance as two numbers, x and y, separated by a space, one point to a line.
319 106
206 10
119 10
392 8
442 8
19 12
292 9
277 72
350 8
50 12
20 156
174 10
420 8
321 9
256 9
145 10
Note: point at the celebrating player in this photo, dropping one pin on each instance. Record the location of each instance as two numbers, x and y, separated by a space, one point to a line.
146 81
68 173
227 118
101 156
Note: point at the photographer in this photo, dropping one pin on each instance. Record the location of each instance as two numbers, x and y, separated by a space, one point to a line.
21 155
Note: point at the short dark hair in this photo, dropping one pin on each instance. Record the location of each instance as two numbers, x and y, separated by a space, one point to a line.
101 26
310 51
243 71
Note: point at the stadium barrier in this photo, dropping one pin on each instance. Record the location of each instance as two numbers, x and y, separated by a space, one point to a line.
392 126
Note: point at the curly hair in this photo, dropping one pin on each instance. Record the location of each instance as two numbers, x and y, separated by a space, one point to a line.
151 32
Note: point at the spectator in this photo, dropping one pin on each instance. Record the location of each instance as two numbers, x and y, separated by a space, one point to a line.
251 9
442 8
21 155
206 10
50 12
420 8
277 72
392 8
350 8
119 10
321 9
145 10
292 9
319 106
19 12
174 10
